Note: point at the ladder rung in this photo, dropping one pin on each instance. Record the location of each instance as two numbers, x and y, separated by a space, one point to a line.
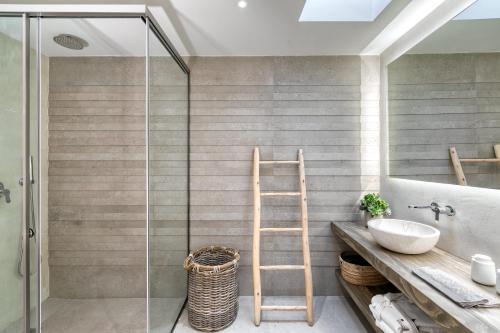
283 308
279 162
281 267
479 160
269 194
279 229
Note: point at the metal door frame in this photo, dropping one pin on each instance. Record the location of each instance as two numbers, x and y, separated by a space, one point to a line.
151 25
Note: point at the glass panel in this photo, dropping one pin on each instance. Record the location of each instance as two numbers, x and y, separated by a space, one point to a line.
93 232
35 179
11 272
168 186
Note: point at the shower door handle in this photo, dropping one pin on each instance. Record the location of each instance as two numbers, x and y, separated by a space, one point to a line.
5 192
32 178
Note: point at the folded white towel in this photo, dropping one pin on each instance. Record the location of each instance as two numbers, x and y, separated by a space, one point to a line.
377 305
421 320
388 318
394 313
384 327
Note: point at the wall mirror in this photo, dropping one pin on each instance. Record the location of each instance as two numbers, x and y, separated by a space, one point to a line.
444 103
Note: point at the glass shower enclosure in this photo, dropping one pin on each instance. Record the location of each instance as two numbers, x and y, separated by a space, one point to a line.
94 173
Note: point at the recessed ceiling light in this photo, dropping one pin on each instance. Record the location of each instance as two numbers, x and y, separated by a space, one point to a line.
242 4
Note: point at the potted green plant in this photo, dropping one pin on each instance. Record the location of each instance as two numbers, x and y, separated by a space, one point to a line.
373 206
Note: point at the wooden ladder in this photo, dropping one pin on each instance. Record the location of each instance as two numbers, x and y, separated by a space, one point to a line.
457 162
257 268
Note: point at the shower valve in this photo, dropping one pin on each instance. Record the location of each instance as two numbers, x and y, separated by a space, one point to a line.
5 192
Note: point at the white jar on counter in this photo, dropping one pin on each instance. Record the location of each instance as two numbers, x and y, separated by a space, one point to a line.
483 270
498 279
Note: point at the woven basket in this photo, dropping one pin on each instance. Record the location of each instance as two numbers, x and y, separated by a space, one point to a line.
356 270
213 287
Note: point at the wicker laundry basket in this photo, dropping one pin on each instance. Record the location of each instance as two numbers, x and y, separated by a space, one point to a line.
213 287
356 270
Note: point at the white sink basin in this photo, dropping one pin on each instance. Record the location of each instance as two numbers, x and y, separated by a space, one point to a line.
403 236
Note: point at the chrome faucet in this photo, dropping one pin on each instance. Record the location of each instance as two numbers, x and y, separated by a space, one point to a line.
5 192
437 209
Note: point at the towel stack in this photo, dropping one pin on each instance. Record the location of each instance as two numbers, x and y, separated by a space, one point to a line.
394 313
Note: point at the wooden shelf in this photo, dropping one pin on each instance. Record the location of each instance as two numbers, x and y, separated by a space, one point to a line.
397 268
362 296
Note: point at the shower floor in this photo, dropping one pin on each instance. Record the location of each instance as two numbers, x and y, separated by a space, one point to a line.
108 315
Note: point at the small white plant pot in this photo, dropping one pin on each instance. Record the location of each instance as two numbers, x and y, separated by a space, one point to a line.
367 217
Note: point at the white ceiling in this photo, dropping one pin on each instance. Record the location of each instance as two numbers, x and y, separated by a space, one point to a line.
268 27
265 27
105 36
221 28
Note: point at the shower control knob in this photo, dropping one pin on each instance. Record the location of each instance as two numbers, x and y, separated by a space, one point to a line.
4 192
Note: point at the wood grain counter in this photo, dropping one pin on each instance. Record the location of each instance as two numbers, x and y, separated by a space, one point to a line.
397 268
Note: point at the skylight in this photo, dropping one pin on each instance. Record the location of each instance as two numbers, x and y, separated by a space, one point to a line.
481 10
342 10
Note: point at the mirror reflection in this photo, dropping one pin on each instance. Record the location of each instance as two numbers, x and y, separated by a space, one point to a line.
444 103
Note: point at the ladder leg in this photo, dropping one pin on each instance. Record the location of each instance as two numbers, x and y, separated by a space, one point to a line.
457 165
257 297
305 241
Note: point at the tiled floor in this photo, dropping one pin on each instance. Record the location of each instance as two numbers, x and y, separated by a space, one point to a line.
332 314
94 315
110 315
128 315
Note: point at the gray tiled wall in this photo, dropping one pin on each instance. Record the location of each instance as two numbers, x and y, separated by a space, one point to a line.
280 104
97 234
96 207
97 177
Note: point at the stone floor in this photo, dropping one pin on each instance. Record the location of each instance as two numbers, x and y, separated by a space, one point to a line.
128 315
331 314
109 315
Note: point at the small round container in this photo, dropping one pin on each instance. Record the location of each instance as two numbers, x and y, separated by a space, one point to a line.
483 270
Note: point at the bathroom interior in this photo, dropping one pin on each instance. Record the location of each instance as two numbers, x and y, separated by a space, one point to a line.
128 138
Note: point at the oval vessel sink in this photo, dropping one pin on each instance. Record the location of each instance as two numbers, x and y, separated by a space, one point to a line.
403 236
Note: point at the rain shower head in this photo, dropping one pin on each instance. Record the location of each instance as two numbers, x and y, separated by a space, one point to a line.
71 42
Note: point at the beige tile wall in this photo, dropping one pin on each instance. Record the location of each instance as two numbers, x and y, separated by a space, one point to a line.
97 226
280 104
96 209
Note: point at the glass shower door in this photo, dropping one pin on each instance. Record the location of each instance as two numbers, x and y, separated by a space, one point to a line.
11 170
168 185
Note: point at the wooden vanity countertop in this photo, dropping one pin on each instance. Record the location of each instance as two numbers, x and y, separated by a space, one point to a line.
397 268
